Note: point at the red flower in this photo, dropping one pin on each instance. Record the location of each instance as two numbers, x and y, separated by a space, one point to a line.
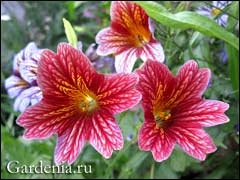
78 104
175 112
129 37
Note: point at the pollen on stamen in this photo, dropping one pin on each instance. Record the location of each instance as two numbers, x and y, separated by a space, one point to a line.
141 39
161 118
88 104
215 12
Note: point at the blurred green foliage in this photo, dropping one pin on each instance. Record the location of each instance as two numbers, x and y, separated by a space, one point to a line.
43 24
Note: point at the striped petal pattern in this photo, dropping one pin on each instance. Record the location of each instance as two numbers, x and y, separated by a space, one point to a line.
78 104
175 112
130 36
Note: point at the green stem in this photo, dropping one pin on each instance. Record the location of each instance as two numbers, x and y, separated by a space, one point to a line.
152 170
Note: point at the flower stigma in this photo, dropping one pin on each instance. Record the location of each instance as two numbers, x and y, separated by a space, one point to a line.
161 117
141 40
215 12
88 103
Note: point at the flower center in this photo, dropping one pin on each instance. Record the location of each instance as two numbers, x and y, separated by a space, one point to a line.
161 117
88 103
140 36
141 40
215 11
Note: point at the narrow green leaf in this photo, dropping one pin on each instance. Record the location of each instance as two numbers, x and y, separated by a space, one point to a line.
70 33
233 55
71 10
187 19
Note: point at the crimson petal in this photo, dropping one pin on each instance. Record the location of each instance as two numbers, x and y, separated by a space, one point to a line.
205 113
194 141
60 73
112 42
43 120
124 13
191 82
156 140
105 135
71 141
155 82
117 92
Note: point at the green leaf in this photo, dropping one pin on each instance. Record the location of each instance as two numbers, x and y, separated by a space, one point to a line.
164 171
14 149
133 163
233 54
71 10
233 57
178 161
70 33
187 19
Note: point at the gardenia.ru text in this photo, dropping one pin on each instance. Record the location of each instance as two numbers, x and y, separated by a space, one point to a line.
14 167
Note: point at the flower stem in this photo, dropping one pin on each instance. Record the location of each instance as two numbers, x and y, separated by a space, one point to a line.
152 170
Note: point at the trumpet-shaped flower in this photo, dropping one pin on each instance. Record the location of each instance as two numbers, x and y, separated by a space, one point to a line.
78 104
175 111
22 85
129 37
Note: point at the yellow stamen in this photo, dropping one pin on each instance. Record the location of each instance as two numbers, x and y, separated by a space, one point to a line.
82 98
215 12
139 35
88 103
161 117
141 40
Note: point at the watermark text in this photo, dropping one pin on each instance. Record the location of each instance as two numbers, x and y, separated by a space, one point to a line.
15 167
